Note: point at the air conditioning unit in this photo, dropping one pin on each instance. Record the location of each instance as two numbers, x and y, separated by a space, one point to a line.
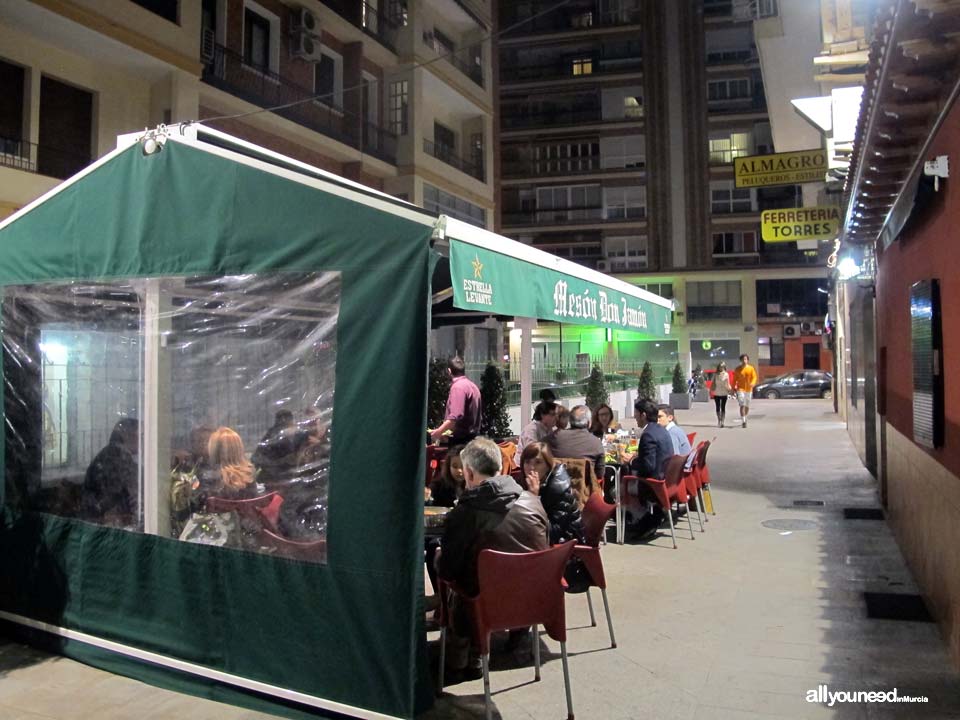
603 265
807 328
305 23
791 331
208 44
306 47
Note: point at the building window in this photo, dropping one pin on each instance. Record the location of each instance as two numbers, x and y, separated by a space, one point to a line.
622 103
582 66
623 152
558 158
664 290
771 351
444 141
728 146
328 79
792 297
713 300
399 98
167 9
627 252
725 198
735 243
625 202
569 202
256 40
728 89
444 203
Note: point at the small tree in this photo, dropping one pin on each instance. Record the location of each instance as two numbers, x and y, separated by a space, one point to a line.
596 392
494 420
679 386
646 388
437 391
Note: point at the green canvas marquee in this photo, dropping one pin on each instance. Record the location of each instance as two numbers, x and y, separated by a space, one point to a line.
187 300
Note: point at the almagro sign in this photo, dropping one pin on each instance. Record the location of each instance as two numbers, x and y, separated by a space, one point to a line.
780 169
813 223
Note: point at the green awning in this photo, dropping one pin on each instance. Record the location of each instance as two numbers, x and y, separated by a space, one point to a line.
492 274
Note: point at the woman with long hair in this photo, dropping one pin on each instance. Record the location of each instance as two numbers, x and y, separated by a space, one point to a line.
720 390
603 421
227 455
543 476
448 486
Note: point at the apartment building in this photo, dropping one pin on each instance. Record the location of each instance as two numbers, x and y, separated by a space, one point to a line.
396 95
620 122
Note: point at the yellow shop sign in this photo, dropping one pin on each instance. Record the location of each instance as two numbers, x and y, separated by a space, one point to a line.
787 168
812 223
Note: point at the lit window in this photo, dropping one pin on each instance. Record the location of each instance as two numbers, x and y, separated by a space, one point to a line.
583 66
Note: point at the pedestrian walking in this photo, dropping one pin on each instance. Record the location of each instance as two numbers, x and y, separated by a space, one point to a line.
720 390
744 379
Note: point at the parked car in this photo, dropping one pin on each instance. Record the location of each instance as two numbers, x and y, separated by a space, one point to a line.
799 384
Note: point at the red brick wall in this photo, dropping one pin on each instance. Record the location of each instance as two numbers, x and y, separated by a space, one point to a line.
793 357
928 248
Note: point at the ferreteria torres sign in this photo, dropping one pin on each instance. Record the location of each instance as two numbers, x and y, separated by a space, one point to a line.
492 282
813 223
780 169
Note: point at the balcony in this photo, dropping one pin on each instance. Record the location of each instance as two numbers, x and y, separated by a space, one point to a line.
227 71
756 103
375 23
445 154
518 117
567 69
556 167
569 18
41 159
472 70
573 215
745 56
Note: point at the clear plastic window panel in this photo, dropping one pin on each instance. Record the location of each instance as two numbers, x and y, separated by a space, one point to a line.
196 408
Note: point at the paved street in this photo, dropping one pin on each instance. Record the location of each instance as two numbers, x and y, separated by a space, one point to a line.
737 625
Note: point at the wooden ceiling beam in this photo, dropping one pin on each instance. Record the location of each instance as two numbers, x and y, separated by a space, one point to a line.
909 110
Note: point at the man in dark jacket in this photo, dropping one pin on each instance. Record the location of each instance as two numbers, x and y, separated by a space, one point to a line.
655 447
579 442
494 513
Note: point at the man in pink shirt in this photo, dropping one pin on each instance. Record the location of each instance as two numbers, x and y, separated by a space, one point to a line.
462 415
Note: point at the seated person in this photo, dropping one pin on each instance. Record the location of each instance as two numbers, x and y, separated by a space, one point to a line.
111 483
494 512
444 491
603 421
548 479
654 449
540 428
563 417
448 486
667 420
234 473
276 453
313 443
578 441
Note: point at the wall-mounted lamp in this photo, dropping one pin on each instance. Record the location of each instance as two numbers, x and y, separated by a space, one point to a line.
847 268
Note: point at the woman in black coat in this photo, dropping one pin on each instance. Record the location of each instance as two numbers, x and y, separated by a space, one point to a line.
542 475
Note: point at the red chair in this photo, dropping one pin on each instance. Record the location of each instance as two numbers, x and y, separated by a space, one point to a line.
672 489
517 590
435 457
701 474
250 508
312 551
596 513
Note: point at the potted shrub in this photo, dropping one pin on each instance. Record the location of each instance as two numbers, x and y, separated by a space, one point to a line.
494 418
679 397
646 388
703 394
596 391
